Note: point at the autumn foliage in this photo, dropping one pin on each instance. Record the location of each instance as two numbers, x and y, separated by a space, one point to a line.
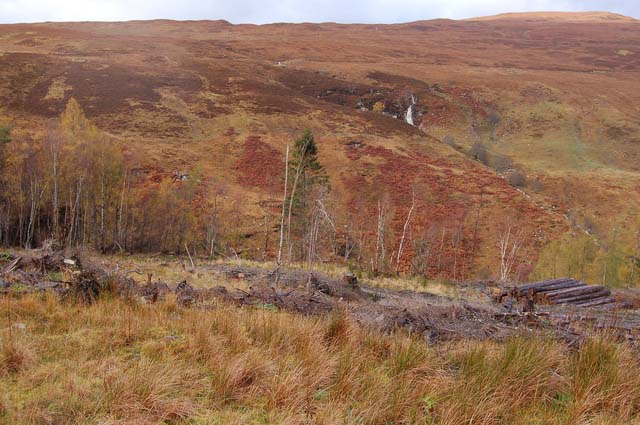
77 187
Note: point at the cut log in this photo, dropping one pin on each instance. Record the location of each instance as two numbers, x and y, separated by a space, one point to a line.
596 302
573 292
549 287
585 297
558 286
541 293
523 289
543 283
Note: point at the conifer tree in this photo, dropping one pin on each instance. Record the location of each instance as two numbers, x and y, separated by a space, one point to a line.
309 177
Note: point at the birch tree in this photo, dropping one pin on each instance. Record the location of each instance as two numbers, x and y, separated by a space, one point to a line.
510 242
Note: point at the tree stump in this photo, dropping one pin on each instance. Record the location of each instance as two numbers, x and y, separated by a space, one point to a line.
350 279
185 294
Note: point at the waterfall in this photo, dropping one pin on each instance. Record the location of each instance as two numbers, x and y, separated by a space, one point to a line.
409 115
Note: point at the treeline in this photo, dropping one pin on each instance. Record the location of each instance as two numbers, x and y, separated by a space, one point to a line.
78 187
75 186
613 260
81 188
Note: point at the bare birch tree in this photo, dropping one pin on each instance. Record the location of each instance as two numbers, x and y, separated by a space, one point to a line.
404 230
381 251
284 203
509 243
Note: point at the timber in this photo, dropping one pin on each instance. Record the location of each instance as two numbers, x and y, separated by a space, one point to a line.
563 291
540 286
544 283
555 287
584 297
597 302
572 292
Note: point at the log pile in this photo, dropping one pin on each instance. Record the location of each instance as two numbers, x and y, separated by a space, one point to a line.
563 291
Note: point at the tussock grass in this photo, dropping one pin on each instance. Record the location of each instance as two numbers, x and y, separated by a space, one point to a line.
118 362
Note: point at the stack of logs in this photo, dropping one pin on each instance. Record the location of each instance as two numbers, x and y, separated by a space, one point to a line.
564 290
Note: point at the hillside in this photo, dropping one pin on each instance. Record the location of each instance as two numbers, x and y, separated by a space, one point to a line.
549 97
559 16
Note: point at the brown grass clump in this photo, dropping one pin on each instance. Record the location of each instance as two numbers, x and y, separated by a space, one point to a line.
500 383
15 354
605 382
117 362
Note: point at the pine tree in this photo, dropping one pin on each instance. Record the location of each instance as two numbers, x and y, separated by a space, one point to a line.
309 177
305 163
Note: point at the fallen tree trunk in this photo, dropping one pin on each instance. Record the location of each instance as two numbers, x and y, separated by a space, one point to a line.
12 265
557 287
571 283
573 292
523 289
583 298
597 302
544 283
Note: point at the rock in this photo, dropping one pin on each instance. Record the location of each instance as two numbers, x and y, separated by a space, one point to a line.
20 326
172 337
45 285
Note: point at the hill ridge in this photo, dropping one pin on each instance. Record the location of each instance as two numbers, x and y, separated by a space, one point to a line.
592 16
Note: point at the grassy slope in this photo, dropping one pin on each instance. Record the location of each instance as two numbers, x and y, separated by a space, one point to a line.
121 362
191 95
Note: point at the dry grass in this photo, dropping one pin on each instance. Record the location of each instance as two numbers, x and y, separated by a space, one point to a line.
117 362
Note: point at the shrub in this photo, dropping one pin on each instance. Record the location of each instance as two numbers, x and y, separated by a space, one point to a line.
536 185
501 163
479 153
516 178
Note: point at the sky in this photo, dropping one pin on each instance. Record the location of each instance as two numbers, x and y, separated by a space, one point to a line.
266 11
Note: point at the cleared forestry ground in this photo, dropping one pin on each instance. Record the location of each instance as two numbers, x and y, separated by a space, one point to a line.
128 361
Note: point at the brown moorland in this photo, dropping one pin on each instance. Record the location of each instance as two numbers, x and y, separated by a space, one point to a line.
551 96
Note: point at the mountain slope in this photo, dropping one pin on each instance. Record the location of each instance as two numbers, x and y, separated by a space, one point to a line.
559 16
554 99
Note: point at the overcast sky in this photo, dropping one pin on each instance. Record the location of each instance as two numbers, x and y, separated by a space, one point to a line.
264 11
